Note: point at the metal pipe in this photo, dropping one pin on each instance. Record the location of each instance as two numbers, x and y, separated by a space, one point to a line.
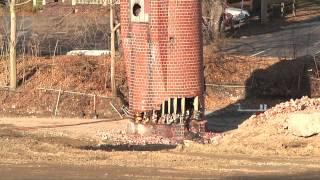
77 93
226 85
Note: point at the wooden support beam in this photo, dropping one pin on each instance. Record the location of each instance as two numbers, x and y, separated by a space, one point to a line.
196 103
175 105
183 106
163 108
34 3
116 110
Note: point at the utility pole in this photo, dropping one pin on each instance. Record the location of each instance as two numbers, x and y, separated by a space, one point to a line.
113 30
13 43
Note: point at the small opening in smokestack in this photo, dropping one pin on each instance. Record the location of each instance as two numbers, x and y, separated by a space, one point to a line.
136 9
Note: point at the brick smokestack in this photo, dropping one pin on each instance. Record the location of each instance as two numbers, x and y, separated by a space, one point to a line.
162 45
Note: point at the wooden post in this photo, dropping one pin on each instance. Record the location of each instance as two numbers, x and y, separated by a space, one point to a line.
94 104
13 53
57 103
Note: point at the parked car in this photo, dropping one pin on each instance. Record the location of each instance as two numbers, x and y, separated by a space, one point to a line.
233 18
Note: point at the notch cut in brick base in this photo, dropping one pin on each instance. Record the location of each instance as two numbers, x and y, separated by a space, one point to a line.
177 131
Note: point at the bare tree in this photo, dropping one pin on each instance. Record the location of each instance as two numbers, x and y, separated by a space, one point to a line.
13 53
212 11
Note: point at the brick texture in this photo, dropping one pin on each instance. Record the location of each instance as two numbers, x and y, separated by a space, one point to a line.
164 54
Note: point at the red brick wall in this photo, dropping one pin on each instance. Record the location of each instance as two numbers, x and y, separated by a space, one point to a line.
164 55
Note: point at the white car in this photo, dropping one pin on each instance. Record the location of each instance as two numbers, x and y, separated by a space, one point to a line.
233 18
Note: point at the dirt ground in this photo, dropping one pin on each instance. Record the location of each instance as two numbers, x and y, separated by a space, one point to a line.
29 142
32 147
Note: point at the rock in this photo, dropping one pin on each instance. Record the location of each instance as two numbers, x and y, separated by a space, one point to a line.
188 143
304 124
141 129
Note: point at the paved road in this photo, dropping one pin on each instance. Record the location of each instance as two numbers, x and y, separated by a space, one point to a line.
288 41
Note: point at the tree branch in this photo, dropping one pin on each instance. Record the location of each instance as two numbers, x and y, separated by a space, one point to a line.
114 3
23 3
116 27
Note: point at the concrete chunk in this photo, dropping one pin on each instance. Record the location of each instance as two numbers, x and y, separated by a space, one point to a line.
304 124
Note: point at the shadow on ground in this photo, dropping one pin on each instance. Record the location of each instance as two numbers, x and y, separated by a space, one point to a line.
128 147
305 175
280 82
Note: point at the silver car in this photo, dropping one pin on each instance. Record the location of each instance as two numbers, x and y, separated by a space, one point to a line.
233 18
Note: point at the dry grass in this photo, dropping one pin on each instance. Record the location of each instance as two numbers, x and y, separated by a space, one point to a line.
75 73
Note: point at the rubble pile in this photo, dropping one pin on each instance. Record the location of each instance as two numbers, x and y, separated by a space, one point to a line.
283 109
122 138
305 103
290 127
212 138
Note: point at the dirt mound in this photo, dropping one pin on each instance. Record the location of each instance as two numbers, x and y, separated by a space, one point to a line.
267 133
89 75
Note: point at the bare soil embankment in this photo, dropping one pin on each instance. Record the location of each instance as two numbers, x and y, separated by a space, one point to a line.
91 75
74 73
